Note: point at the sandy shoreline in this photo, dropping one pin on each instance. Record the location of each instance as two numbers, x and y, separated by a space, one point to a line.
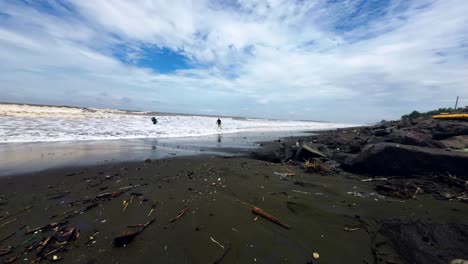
334 214
318 208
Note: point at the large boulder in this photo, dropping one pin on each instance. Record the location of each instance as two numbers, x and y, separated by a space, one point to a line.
458 142
403 160
408 137
447 129
274 152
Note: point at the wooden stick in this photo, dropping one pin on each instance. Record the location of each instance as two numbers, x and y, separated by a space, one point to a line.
179 215
268 216
7 222
7 237
222 256
15 213
265 215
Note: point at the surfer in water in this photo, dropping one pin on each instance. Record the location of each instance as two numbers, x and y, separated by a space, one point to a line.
154 120
219 123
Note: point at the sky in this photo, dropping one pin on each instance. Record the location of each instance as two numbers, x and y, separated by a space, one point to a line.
331 60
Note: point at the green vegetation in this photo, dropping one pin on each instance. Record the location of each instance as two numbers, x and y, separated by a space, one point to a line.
416 114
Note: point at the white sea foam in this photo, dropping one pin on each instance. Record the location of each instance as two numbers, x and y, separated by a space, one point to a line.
25 123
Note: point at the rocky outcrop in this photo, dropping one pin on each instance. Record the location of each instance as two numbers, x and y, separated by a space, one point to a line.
404 160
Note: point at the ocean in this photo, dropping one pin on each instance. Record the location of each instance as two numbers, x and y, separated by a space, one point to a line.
31 123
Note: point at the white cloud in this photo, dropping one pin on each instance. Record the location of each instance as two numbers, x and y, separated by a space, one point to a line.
273 56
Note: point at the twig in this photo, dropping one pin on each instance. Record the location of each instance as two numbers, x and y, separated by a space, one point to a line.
15 213
7 222
222 256
265 215
179 215
216 242
7 237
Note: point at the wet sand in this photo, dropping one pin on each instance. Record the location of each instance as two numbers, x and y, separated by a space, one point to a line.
324 212
16 158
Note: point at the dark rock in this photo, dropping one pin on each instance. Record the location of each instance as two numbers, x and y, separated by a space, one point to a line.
381 132
274 152
403 160
306 152
447 129
458 142
412 138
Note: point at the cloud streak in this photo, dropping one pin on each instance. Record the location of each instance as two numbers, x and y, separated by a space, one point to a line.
342 60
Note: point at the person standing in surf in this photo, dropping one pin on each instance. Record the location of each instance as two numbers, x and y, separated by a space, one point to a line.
219 123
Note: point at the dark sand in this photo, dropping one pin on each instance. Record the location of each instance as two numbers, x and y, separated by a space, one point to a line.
321 210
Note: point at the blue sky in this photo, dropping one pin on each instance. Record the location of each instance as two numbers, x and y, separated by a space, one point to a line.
336 60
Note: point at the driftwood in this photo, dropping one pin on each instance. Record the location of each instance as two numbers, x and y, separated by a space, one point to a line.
46 227
266 215
5 251
126 237
43 245
7 237
222 256
15 213
179 215
48 254
11 259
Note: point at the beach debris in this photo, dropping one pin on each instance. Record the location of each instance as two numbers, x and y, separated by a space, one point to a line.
256 218
400 191
46 227
226 251
126 237
15 213
296 191
349 229
8 222
5 251
10 259
66 234
265 215
181 213
374 179
284 175
58 196
52 252
7 237
307 151
355 194
91 238
315 255
125 204
56 258
151 211
459 261
130 187
314 165
216 242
